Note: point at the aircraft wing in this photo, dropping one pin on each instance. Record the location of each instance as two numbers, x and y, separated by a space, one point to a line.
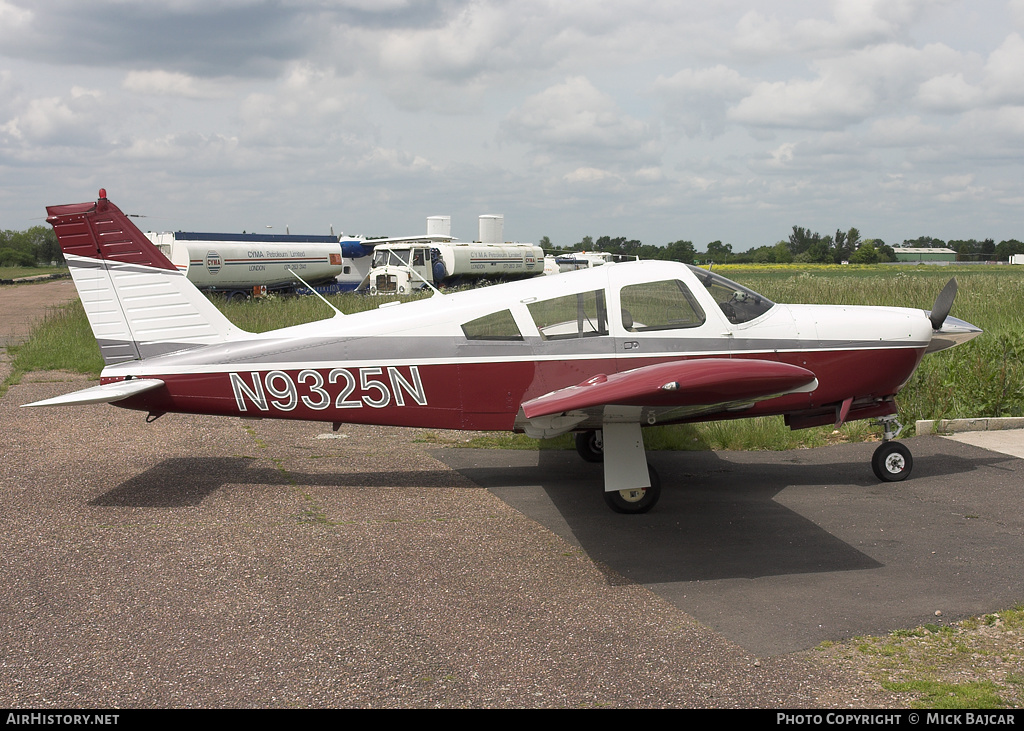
426 238
104 394
700 382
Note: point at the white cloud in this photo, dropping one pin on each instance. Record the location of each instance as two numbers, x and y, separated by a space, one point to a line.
1002 74
853 24
168 83
948 93
60 121
201 150
574 118
663 120
696 100
907 132
850 88
814 104
590 175
1016 10
14 19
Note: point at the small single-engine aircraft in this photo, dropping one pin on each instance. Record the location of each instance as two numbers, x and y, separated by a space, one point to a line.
600 352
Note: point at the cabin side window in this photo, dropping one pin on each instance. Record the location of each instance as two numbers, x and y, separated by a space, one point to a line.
582 315
666 305
495 326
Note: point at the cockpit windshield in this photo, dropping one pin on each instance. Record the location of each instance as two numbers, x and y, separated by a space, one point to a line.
394 257
737 302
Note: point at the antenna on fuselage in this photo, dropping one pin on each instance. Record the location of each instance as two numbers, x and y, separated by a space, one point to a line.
322 298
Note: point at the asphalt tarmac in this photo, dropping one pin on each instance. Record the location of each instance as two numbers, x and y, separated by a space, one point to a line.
780 551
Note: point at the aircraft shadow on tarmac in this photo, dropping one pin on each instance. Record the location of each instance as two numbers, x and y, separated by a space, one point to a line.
717 519
186 481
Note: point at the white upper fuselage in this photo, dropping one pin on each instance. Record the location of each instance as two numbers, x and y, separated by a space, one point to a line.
783 328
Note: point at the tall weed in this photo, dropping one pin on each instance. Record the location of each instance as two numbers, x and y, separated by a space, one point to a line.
62 340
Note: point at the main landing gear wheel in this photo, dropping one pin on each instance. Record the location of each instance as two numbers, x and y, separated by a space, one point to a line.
638 500
589 446
892 462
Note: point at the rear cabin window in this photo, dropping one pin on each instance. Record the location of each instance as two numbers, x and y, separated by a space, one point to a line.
582 315
496 326
666 305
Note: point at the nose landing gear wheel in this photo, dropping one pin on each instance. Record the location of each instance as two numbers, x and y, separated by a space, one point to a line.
638 500
589 446
892 462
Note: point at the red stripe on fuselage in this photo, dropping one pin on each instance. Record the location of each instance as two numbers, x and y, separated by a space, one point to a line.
482 396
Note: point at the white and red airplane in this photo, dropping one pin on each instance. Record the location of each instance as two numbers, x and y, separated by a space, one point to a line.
600 352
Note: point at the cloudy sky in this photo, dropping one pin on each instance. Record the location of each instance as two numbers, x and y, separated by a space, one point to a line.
657 120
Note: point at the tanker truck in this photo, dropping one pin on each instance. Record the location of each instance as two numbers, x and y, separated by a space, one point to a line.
240 265
403 266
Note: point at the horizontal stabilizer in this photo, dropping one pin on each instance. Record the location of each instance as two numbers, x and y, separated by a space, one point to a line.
697 382
104 394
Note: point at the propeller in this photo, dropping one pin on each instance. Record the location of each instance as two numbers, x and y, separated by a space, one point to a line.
943 304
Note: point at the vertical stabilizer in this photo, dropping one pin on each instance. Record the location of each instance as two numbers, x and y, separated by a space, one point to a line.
138 303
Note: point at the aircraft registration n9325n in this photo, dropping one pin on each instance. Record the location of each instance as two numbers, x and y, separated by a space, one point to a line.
600 352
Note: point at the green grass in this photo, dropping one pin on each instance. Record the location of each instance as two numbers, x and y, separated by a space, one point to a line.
270 313
985 377
974 664
18 272
61 341
950 696
495 440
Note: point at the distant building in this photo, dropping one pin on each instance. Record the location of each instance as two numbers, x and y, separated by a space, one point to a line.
926 254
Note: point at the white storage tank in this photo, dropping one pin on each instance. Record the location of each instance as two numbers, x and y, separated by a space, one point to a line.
439 225
492 229
242 261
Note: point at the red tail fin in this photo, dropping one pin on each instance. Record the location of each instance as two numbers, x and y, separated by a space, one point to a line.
101 231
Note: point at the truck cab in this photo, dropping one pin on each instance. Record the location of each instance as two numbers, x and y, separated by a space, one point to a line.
400 268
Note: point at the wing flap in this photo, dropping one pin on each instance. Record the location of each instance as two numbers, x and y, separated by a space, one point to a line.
104 394
697 382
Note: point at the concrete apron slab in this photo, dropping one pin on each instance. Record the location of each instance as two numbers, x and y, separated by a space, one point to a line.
1003 434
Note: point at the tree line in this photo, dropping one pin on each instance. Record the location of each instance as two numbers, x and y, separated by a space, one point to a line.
38 246
35 246
972 249
802 247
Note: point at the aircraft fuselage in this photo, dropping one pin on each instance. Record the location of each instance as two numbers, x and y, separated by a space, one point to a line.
414 365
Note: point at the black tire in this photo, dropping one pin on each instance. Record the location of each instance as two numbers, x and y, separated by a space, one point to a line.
636 501
589 446
892 462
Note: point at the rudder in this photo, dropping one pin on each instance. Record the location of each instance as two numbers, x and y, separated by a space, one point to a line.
138 304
